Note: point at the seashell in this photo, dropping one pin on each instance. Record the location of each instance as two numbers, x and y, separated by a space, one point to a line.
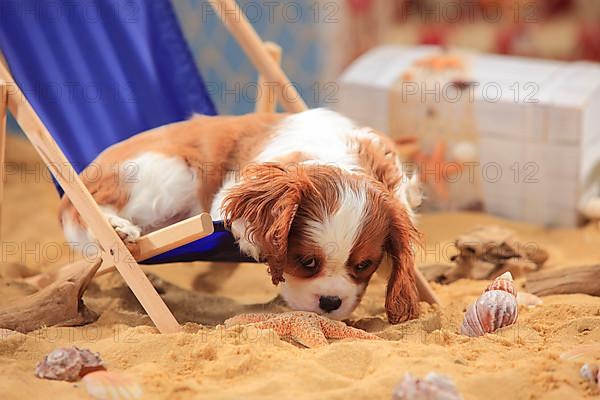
504 282
496 308
106 385
528 299
433 387
590 372
68 364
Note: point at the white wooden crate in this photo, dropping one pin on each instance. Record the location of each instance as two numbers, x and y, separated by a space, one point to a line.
549 129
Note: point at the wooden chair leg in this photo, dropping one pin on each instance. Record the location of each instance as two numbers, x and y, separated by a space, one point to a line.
267 101
426 292
110 243
235 21
3 108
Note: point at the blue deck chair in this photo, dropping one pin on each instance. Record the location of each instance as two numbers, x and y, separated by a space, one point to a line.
94 73
95 83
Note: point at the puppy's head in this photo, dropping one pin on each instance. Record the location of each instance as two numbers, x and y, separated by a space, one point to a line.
324 232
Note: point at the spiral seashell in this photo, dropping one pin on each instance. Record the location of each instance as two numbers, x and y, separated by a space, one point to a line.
505 283
433 387
68 364
496 308
106 385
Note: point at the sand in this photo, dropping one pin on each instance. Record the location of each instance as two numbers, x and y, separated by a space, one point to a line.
208 362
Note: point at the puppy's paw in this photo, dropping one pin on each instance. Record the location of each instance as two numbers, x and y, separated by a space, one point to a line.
127 231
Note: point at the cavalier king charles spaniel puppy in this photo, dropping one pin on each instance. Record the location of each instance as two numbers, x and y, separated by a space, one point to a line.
317 198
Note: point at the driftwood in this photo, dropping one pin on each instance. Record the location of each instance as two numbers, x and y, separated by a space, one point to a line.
489 251
584 280
57 304
45 279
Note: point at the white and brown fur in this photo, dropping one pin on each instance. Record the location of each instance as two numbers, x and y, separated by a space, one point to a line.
320 200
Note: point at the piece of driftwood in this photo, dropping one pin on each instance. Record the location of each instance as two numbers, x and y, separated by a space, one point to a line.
487 252
585 279
58 304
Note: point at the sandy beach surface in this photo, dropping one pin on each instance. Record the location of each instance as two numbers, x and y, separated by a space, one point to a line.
208 362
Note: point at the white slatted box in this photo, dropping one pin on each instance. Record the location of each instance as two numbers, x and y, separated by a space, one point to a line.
550 128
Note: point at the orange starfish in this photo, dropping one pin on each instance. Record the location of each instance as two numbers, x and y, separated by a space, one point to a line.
307 328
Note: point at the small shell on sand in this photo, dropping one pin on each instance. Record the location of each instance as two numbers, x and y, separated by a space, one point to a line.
68 364
591 372
496 308
433 387
106 385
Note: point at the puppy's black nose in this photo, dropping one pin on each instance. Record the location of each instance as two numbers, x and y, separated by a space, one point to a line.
329 303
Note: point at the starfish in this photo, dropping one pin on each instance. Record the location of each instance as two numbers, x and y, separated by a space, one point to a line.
307 328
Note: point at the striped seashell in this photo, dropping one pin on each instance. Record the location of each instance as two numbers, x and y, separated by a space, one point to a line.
503 282
496 308
106 385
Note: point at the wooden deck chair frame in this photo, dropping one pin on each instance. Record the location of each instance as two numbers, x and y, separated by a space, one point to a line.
114 253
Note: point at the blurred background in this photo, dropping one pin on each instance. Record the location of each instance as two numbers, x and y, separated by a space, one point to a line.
321 38
495 102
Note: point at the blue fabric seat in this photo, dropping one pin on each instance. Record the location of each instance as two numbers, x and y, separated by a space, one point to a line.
99 72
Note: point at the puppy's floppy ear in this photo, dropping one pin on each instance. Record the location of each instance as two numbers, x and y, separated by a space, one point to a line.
402 298
265 202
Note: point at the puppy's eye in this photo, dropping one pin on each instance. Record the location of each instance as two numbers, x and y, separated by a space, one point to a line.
363 265
309 262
